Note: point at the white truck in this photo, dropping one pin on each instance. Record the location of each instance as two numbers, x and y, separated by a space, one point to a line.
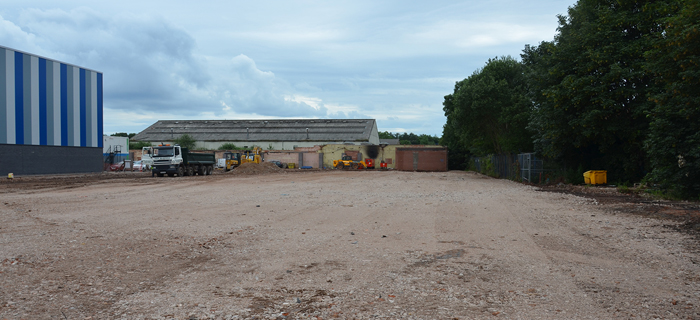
174 160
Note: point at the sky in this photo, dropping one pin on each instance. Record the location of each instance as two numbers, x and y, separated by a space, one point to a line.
393 61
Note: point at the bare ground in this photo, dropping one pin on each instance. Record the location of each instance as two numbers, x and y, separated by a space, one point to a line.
340 244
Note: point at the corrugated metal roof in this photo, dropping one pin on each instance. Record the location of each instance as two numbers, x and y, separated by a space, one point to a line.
260 130
389 141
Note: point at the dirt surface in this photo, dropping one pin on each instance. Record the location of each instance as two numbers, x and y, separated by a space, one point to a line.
294 244
250 168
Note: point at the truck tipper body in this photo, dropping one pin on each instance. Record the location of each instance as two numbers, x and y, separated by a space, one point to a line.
175 160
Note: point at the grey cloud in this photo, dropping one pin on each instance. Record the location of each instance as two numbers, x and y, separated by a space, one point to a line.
393 61
150 65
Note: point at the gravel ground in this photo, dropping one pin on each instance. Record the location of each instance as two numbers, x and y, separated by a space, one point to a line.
339 244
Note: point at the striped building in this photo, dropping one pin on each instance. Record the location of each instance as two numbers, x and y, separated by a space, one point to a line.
50 116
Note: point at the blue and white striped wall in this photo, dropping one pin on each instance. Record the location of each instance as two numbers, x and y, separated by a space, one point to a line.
48 103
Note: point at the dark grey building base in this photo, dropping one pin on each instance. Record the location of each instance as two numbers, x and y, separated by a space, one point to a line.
30 159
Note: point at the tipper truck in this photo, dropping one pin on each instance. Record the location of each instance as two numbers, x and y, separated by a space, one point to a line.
172 160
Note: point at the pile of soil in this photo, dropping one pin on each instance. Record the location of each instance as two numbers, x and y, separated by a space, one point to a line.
250 168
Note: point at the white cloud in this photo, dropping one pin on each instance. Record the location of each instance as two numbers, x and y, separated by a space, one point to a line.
315 103
151 67
390 60
293 36
11 35
478 34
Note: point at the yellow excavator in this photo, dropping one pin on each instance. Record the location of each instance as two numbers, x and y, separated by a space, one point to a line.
237 158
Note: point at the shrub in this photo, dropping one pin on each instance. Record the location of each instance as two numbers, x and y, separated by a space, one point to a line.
186 141
228 146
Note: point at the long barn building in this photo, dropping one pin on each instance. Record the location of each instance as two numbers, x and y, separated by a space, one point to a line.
278 134
50 115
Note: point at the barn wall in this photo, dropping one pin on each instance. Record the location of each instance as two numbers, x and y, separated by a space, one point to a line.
308 158
265 145
387 153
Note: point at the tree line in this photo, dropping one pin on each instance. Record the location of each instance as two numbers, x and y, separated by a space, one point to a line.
617 89
410 138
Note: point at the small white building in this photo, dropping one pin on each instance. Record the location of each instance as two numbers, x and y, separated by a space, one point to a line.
117 147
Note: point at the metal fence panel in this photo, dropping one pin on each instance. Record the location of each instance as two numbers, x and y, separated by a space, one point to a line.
526 167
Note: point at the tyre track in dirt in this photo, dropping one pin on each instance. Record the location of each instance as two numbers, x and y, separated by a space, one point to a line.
346 244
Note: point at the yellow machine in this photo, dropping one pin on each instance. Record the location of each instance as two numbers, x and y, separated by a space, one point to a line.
254 156
235 159
347 163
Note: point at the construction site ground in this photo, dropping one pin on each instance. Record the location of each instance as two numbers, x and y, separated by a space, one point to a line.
267 243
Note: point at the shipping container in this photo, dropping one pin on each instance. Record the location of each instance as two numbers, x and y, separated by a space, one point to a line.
421 159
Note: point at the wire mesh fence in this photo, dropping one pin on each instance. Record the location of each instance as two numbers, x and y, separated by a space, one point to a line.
524 167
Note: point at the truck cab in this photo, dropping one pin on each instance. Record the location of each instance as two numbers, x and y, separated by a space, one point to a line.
167 159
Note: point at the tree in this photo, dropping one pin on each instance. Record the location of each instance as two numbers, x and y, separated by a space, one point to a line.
425 139
674 132
590 87
488 112
123 134
410 138
458 155
386 135
186 141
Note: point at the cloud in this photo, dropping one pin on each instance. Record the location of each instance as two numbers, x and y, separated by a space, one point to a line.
244 88
151 67
148 64
392 61
475 35
13 36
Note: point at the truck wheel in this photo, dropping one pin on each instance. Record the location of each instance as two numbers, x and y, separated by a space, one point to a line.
210 170
189 171
202 170
180 171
